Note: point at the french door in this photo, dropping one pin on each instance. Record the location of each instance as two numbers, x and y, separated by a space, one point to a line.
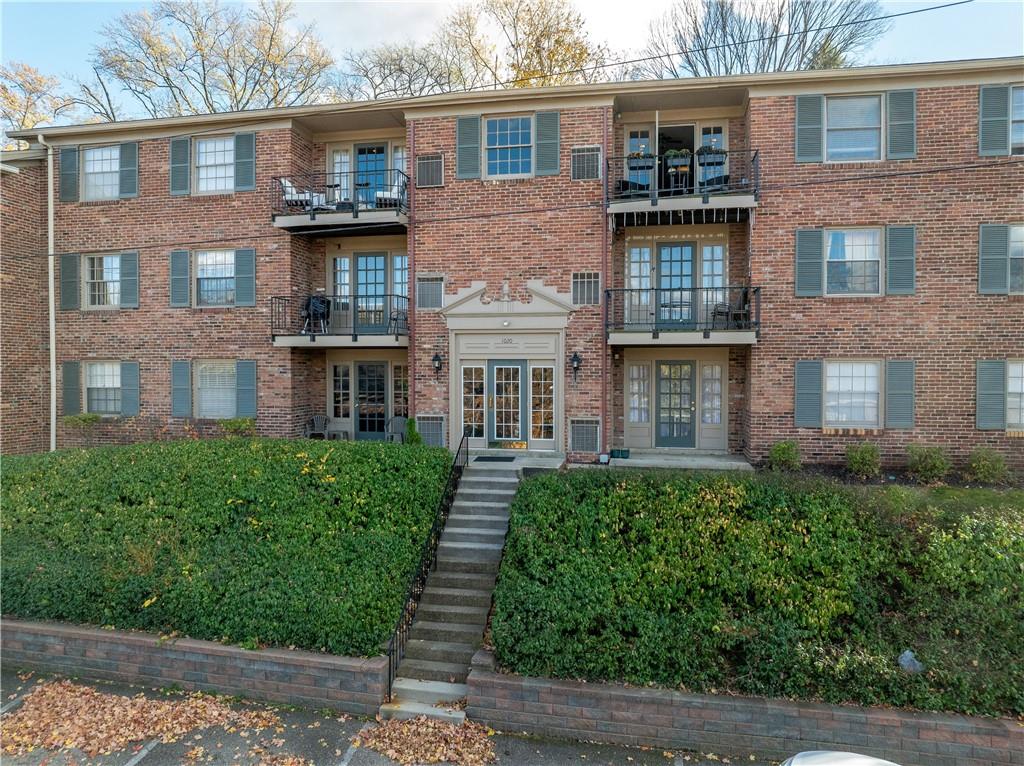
508 420
371 172
371 400
676 404
675 283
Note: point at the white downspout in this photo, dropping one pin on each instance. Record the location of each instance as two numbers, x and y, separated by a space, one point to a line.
51 292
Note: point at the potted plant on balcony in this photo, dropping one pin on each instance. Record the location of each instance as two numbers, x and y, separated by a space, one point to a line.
711 155
677 158
642 160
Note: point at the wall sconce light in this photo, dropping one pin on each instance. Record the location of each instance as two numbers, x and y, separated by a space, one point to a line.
576 361
437 364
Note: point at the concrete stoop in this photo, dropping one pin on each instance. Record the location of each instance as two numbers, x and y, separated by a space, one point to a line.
452 613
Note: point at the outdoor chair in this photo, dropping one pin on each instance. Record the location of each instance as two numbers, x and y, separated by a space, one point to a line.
391 198
734 313
396 429
306 200
317 426
398 322
316 313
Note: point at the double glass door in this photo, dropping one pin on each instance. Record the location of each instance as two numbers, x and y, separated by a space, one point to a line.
518 409
676 404
371 173
360 286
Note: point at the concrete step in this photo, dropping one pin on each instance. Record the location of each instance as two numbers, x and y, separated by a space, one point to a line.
469 535
500 470
466 615
461 580
439 651
428 692
485 507
473 481
427 670
455 596
450 632
461 564
471 550
473 495
479 521
405 710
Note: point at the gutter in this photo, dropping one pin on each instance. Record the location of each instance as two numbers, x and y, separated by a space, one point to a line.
51 291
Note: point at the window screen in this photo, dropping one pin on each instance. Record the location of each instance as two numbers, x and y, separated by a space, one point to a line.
586 163
586 288
430 292
430 170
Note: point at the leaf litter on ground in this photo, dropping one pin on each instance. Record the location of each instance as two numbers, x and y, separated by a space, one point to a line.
425 741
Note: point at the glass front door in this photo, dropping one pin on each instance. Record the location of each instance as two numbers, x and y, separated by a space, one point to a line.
371 173
676 406
508 403
371 400
675 284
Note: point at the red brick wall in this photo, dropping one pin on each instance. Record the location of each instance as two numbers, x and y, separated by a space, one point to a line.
946 326
24 344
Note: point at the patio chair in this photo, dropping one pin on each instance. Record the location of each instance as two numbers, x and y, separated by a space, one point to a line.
396 429
398 322
735 313
391 198
316 313
317 425
306 200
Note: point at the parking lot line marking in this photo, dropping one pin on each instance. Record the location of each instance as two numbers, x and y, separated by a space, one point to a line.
143 752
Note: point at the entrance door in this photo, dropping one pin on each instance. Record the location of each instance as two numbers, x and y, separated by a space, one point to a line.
675 173
371 173
508 421
371 400
675 284
676 405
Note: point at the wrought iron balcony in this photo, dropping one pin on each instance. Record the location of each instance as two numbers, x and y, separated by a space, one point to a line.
704 311
305 199
301 320
704 175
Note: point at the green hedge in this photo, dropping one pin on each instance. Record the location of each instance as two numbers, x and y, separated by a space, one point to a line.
252 541
767 586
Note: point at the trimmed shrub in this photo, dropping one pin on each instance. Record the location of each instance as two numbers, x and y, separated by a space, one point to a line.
255 541
863 460
986 466
238 426
763 585
784 456
412 436
927 465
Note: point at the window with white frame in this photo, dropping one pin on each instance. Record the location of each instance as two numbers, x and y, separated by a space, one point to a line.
852 394
103 388
1017 259
1017 120
711 385
400 274
1015 396
639 392
586 288
101 172
341 167
215 164
342 272
637 304
542 402
586 163
429 292
853 128
399 391
342 391
215 277
103 281
215 389
398 158
473 401
853 264
509 147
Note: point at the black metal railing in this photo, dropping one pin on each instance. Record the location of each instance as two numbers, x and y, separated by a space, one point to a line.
664 176
428 561
352 192
353 315
697 309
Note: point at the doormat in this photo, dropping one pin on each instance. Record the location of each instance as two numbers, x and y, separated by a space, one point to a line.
492 459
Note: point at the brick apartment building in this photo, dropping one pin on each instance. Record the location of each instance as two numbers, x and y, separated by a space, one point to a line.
706 265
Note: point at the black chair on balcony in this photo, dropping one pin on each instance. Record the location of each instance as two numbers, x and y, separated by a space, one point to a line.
316 313
398 322
301 199
735 313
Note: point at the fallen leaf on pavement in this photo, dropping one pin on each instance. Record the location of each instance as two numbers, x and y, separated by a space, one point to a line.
423 740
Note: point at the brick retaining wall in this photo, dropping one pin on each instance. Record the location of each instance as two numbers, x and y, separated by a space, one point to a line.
733 725
278 675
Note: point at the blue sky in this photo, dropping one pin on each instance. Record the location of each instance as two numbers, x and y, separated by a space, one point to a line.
57 37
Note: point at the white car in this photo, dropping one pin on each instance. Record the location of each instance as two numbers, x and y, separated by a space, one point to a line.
832 758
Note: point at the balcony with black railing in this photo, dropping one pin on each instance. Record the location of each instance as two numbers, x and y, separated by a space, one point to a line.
342 200
319 320
683 316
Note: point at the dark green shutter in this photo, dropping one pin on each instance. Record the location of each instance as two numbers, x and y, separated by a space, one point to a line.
900 245
70 292
547 160
810 265
245 161
71 379
901 111
129 389
245 389
810 114
181 389
807 388
994 259
990 402
129 170
994 120
181 165
69 174
245 277
899 393
180 279
129 280
467 147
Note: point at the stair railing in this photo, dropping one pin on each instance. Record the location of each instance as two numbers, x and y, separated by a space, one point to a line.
428 561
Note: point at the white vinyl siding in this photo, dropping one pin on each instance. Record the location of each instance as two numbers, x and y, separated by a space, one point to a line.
852 394
1015 396
853 128
215 389
102 281
853 262
103 388
100 173
215 164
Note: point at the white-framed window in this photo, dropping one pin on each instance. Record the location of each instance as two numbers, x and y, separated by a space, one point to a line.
1017 119
508 147
101 178
103 388
473 401
1017 259
341 393
542 402
215 277
429 292
853 263
400 274
639 392
586 288
399 158
586 163
399 390
711 388
102 281
341 168
853 128
852 394
215 389
1015 396
215 164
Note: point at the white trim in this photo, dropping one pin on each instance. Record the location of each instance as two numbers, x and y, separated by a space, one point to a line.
484 175
882 149
881 261
880 422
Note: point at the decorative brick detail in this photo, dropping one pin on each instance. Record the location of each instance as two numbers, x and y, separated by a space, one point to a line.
736 726
277 675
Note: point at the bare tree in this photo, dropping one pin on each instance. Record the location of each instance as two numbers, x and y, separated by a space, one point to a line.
95 99
197 56
28 99
707 38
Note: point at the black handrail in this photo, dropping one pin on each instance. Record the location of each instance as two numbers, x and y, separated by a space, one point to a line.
355 315
706 172
695 309
351 191
428 561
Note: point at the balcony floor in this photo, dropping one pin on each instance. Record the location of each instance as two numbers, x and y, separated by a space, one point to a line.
340 341
341 220
644 337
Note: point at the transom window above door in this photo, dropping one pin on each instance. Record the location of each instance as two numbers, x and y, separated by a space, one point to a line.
509 146
853 128
854 262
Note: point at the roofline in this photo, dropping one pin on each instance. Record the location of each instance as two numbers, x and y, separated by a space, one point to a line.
972 66
22 155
